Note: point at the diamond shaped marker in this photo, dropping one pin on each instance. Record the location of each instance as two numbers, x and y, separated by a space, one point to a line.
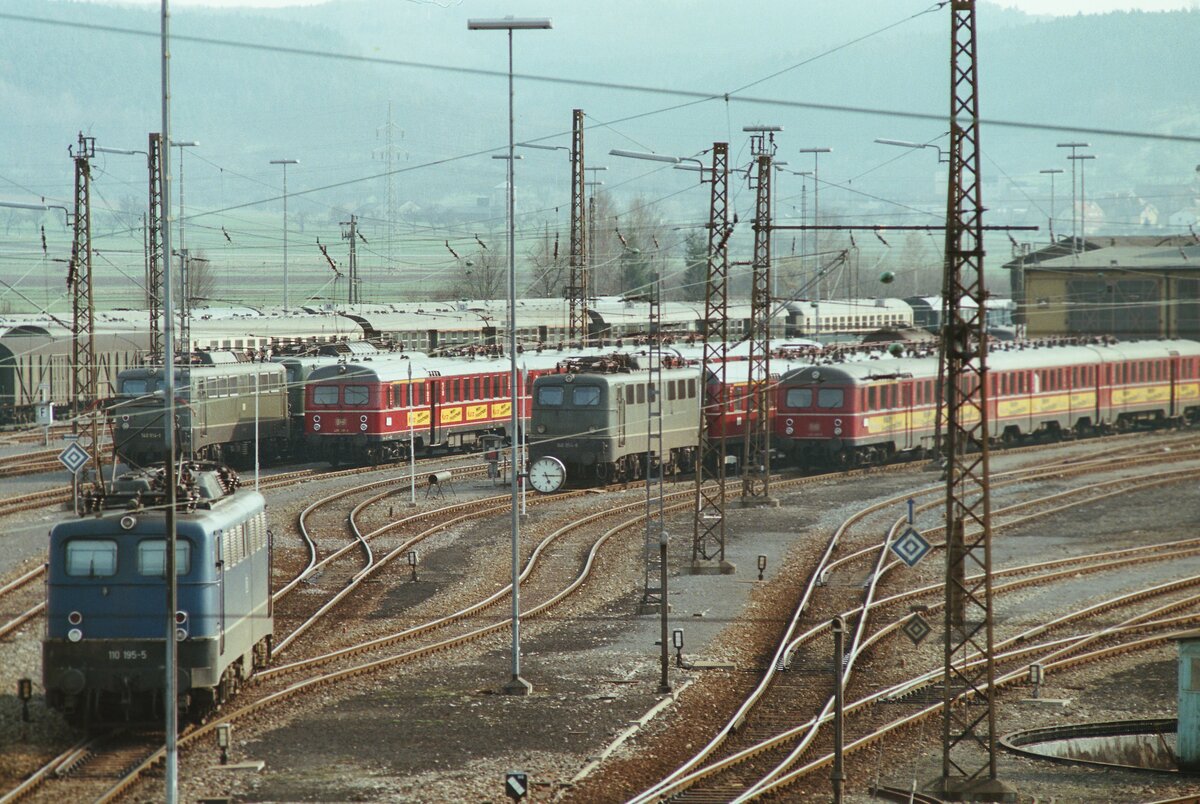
916 629
74 457
911 547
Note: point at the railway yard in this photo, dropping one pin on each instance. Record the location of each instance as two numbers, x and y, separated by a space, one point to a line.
385 673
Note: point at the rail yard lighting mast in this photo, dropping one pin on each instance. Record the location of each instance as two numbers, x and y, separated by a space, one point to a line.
816 152
170 690
518 685
285 163
1082 160
1074 146
943 156
185 282
1052 172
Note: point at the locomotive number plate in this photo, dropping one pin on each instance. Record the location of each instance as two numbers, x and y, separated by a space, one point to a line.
126 654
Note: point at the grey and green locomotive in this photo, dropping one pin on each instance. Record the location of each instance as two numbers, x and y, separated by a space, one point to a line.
106 617
595 419
219 409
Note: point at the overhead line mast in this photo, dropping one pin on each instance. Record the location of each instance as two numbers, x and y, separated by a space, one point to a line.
708 532
577 289
968 727
756 469
154 255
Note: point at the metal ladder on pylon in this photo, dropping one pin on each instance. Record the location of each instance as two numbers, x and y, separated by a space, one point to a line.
653 591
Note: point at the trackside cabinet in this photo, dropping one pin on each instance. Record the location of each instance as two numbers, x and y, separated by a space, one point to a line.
1188 735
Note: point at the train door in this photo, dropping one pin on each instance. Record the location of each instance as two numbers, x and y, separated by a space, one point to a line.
620 395
219 548
907 391
433 388
1172 380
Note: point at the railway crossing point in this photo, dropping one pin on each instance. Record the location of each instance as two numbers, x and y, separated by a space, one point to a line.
516 785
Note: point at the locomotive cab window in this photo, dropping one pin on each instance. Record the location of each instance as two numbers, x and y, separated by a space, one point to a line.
585 396
799 398
830 398
550 395
91 558
355 395
325 395
151 553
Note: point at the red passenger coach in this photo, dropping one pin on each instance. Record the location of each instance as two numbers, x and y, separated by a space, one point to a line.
871 411
370 411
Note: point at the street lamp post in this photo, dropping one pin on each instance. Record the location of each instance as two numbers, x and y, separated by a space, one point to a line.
1053 172
1082 159
816 152
185 281
517 685
1073 146
285 163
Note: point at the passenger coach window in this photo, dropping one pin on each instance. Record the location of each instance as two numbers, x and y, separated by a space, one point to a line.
585 396
550 395
799 398
91 558
355 395
830 398
325 395
150 558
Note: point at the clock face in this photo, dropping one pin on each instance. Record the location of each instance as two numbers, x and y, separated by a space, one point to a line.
547 474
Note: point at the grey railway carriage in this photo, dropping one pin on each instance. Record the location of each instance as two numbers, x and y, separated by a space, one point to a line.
596 423
102 654
215 412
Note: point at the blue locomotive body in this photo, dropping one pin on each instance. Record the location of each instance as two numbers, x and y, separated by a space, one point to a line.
103 652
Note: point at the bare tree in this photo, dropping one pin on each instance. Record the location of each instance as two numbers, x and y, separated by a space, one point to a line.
201 277
550 262
479 276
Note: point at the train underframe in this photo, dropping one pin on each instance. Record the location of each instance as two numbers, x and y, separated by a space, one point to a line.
367 450
91 688
586 470
844 454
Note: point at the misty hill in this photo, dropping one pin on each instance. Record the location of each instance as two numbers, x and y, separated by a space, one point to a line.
246 106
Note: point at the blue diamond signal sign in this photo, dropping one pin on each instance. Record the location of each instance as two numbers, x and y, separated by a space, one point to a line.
74 457
516 785
911 547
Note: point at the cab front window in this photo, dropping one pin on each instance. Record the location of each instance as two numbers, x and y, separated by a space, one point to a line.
828 398
799 398
585 396
91 558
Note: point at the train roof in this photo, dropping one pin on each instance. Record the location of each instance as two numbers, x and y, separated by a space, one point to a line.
395 367
1007 358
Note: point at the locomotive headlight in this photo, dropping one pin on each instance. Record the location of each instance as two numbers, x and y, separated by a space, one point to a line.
181 617
541 428
75 635
316 419
180 634
316 428
837 431
75 618
362 426
127 522
363 418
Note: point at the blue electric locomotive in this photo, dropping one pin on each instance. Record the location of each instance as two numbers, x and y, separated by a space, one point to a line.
102 656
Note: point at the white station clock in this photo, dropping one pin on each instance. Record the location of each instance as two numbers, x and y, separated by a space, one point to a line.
547 474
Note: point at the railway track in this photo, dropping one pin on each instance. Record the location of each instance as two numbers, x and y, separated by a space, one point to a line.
707 778
378 663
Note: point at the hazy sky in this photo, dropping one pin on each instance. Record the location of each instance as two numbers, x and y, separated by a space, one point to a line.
1030 6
